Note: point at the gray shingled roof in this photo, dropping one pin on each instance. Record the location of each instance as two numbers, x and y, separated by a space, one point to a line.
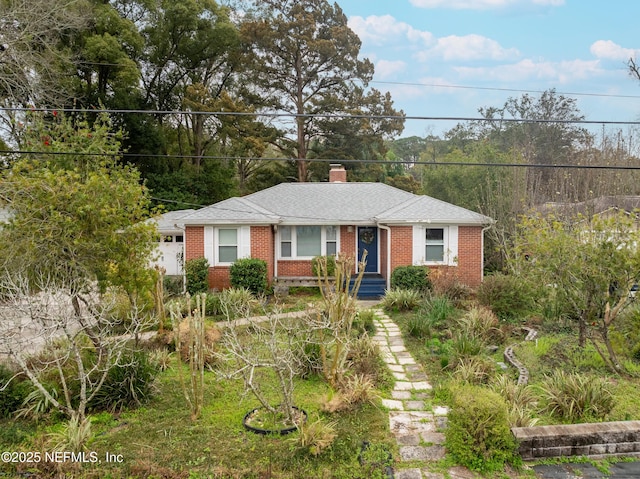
332 203
166 222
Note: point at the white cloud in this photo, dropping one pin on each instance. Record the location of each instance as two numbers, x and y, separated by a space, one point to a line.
387 69
468 47
608 50
559 72
380 30
483 4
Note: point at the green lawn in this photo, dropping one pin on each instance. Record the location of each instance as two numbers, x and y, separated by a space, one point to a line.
160 440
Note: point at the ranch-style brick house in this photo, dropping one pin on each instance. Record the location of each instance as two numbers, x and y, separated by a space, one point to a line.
290 223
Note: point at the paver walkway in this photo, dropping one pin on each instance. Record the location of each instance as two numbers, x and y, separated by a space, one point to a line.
414 422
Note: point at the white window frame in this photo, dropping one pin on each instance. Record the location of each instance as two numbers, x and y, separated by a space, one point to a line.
220 244
294 242
450 245
442 243
212 243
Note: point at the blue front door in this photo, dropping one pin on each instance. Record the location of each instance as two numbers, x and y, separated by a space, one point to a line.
368 241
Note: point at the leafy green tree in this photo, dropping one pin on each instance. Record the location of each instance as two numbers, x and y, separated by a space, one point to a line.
107 54
305 63
77 214
191 61
592 264
546 132
76 231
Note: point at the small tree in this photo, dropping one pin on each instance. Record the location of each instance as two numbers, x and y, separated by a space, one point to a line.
77 230
81 348
273 345
411 277
592 263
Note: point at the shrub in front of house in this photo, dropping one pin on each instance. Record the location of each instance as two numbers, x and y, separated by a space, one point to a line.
249 273
196 272
415 278
478 434
128 384
509 297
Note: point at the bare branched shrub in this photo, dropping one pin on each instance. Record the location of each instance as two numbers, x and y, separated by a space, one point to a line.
63 330
272 346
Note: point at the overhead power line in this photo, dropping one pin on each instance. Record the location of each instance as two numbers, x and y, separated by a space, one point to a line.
324 160
323 115
512 90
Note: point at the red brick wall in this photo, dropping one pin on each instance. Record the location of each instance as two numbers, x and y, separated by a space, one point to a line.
295 267
194 242
401 246
262 246
219 278
348 240
469 266
470 255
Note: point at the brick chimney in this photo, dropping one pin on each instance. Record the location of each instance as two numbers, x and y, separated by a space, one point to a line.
337 174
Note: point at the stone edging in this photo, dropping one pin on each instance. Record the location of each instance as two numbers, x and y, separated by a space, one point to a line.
510 357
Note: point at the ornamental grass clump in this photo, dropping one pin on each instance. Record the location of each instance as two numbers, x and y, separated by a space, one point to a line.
573 397
401 300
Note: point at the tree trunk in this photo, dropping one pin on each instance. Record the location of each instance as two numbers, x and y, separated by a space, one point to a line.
302 151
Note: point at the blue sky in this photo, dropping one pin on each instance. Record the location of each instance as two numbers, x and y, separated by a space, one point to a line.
444 58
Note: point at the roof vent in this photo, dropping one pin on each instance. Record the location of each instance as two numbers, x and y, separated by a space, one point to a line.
337 174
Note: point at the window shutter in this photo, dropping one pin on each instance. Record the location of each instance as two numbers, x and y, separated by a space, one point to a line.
209 246
418 245
452 246
244 239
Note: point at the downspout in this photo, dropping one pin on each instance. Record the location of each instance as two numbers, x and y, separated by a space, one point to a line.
184 254
274 232
388 278
486 228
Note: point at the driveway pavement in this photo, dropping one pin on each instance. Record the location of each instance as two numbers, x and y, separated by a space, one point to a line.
620 470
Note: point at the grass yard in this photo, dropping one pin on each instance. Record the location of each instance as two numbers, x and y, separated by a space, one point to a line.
159 439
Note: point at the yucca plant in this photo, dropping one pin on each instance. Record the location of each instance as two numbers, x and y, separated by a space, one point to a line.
474 370
236 302
74 435
480 323
316 436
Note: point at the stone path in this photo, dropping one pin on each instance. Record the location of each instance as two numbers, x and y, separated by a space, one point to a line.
414 422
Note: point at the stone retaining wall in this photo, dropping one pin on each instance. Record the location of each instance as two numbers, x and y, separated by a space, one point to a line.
595 440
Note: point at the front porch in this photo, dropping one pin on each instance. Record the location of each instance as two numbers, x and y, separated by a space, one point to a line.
372 286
